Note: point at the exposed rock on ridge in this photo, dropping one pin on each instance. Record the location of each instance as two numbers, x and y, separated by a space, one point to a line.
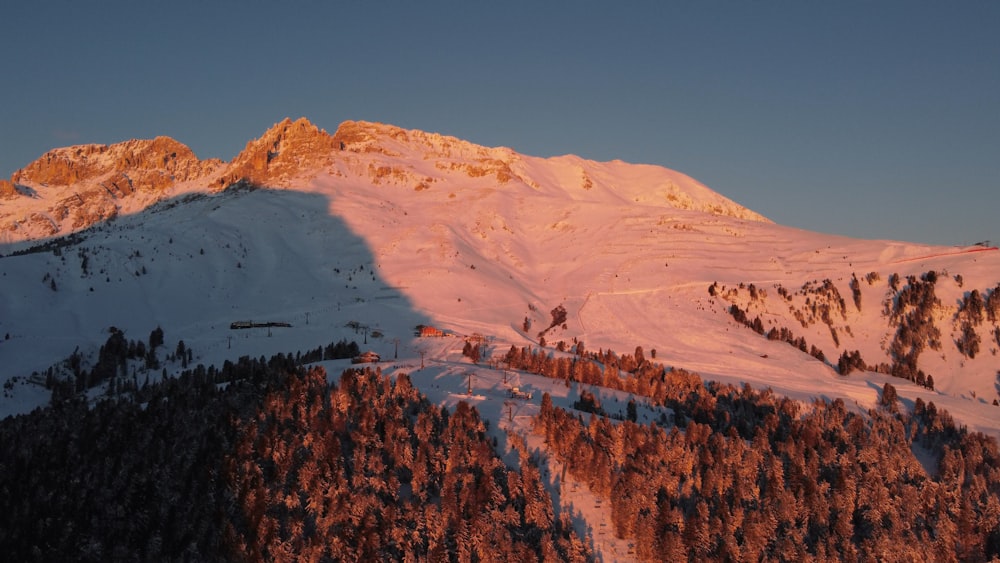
150 165
7 190
285 150
75 187
69 189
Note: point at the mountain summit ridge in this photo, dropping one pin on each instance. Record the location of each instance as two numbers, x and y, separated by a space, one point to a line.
71 188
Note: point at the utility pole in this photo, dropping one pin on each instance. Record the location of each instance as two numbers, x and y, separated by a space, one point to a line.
422 353
469 392
307 317
395 353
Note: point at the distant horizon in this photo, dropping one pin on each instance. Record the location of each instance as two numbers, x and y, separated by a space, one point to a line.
874 121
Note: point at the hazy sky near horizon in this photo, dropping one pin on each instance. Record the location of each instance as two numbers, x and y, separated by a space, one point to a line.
872 119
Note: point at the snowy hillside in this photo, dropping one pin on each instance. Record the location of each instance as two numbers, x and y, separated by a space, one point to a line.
392 228
370 232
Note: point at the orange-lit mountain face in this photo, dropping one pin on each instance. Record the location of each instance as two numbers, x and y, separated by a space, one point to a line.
72 188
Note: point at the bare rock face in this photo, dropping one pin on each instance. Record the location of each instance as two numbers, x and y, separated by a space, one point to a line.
150 165
285 150
85 184
7 190
450 154
364 136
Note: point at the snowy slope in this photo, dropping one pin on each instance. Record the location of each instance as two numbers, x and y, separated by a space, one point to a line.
391 228
384 228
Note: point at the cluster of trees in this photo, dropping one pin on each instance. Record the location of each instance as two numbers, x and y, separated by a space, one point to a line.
604 368
969 316
369 470
473 349
262 459
332 351
856 291
139 478
821 299
731 294
748 476
111 365
54 246
782 334
973 310
851 361
601 368
559 316
911 310
825 298
992 305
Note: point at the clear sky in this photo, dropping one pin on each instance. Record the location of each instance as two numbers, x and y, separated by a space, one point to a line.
872 119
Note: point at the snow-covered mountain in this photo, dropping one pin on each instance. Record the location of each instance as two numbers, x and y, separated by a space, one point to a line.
391 228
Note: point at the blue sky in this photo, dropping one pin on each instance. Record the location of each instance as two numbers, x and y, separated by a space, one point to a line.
871 119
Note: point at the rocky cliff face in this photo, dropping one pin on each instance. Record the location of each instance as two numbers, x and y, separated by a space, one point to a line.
7 190
286 150
71 188
390 154
149 165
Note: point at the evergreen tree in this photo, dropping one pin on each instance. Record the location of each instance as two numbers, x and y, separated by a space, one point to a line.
155 338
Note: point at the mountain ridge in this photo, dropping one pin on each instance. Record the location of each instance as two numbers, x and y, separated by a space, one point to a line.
71 188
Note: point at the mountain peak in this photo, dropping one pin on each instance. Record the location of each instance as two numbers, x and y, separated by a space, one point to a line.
71 188
163 160
282 151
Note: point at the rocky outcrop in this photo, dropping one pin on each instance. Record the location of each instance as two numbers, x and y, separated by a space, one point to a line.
149 165
7 190
287 149
74 187
450 154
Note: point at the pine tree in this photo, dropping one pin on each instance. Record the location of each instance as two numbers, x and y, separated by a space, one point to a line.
889 398
155 338
631 410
